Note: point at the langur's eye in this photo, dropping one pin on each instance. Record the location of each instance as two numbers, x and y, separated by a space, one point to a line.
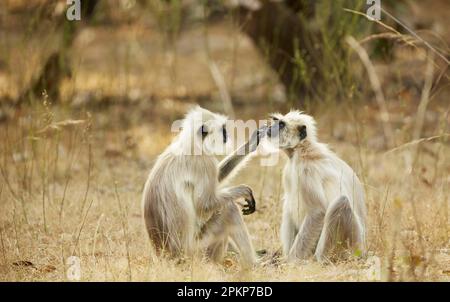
281 124
203 131
302 132
224 133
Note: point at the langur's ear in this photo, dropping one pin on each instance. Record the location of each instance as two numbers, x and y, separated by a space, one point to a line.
302 132
203 131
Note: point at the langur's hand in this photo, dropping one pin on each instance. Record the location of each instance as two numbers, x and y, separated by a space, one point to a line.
250 206
256 137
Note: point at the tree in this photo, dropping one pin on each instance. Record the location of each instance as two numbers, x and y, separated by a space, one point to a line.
57 65
302 40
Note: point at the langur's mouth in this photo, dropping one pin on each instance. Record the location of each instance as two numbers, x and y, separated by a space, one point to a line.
275 128
276 143
272 132
280 146
286 147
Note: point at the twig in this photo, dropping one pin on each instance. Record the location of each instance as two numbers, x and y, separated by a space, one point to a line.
379 36
13 193
410 40
415 35
217 76
3 246
222 86
422 109
68 176
81 227
125 230
376 86
95 234
376 21
418 141
88 181
44 177
424 100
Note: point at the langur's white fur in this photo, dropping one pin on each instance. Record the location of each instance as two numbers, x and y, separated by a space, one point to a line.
323 198
185 208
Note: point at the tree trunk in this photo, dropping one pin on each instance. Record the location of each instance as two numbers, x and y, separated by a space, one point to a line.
303 44
57 66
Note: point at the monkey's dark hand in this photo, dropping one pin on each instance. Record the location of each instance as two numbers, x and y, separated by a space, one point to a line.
256 137
250 206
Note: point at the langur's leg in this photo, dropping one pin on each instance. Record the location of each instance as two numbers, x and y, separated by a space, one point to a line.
340 227
307 237
217 250
228 223
163 236
240 236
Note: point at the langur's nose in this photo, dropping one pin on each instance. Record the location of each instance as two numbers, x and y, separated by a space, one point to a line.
269 132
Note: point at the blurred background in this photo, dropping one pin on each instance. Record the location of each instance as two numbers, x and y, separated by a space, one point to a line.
86 106
223 54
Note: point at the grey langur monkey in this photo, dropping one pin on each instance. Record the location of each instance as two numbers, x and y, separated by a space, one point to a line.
185 207
324 206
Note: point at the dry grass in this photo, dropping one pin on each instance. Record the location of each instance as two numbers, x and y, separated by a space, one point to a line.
76 191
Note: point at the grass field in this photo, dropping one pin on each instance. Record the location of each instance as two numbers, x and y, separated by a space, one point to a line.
76 191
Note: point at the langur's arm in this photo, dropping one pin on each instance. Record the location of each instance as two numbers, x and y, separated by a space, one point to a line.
230 194
241 191
229 164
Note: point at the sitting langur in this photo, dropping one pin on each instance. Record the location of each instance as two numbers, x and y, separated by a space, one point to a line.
324 209
185 208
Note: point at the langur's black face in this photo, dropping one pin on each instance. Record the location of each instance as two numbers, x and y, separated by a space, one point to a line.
286 132
215 139
275 127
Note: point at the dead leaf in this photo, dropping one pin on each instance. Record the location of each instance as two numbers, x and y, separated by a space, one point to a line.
47 268
56 126
24 263
228 263
113 152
